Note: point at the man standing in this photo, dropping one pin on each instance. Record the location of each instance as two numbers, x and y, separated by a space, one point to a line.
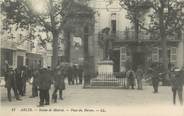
18 80
131 78
11 84
75 79
177 85
80 73
139 76
23 79
35 84
70 75
59 83
155 79
44 84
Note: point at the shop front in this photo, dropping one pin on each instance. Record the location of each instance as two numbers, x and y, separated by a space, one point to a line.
34 61
6 56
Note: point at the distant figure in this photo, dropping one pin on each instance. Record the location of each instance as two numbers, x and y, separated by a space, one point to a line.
18 80
155 79
35 84
70 75
59 83
6 68
80 74
139 77
75 74
44 84
176 77
11 84
23 81
130 75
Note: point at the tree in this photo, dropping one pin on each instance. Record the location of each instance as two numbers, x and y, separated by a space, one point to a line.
166 18
51 15
136 10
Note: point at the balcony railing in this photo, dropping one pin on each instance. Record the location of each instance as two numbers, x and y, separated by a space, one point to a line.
130 35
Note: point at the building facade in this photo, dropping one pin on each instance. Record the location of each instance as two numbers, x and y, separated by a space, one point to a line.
17 49
126 49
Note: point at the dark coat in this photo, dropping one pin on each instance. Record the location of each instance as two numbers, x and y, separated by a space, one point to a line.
75 71
139 74
35 78
130 75
19 81
70 72
23 76
80 71
44 80
59 82
177 80
10 80
154 76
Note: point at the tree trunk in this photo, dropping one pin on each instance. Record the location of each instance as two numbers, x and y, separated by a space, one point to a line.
55 58
136 29
86 56
163 44
163 39
67 45
164 53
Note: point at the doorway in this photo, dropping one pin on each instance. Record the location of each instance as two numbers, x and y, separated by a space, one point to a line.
20 61
138 58
116 60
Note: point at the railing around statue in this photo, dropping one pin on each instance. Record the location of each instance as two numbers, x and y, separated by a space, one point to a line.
108 80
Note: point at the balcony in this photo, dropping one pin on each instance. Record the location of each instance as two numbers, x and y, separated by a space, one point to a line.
143 36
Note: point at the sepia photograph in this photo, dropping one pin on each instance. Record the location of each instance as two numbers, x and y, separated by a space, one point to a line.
92 57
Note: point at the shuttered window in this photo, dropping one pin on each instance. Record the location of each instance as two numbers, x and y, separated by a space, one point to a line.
155 54
123 55
173 55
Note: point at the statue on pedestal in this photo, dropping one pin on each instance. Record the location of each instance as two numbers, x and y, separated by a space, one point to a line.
105 42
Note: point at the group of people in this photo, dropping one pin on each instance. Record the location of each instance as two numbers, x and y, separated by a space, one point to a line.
175 76
41 80
132 77
16 79
75 75
177 80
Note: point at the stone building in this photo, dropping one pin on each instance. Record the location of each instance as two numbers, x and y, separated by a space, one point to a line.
124 50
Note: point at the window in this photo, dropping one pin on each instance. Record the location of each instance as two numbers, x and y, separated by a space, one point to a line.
113 22
173 55
155 54
123 54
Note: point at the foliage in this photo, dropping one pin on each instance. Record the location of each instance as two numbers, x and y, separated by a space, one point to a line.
136 10
54 16
127 30
172 10
165 18
58 14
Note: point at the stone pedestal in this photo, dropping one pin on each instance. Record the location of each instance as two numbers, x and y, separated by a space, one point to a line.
105 75
105 68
